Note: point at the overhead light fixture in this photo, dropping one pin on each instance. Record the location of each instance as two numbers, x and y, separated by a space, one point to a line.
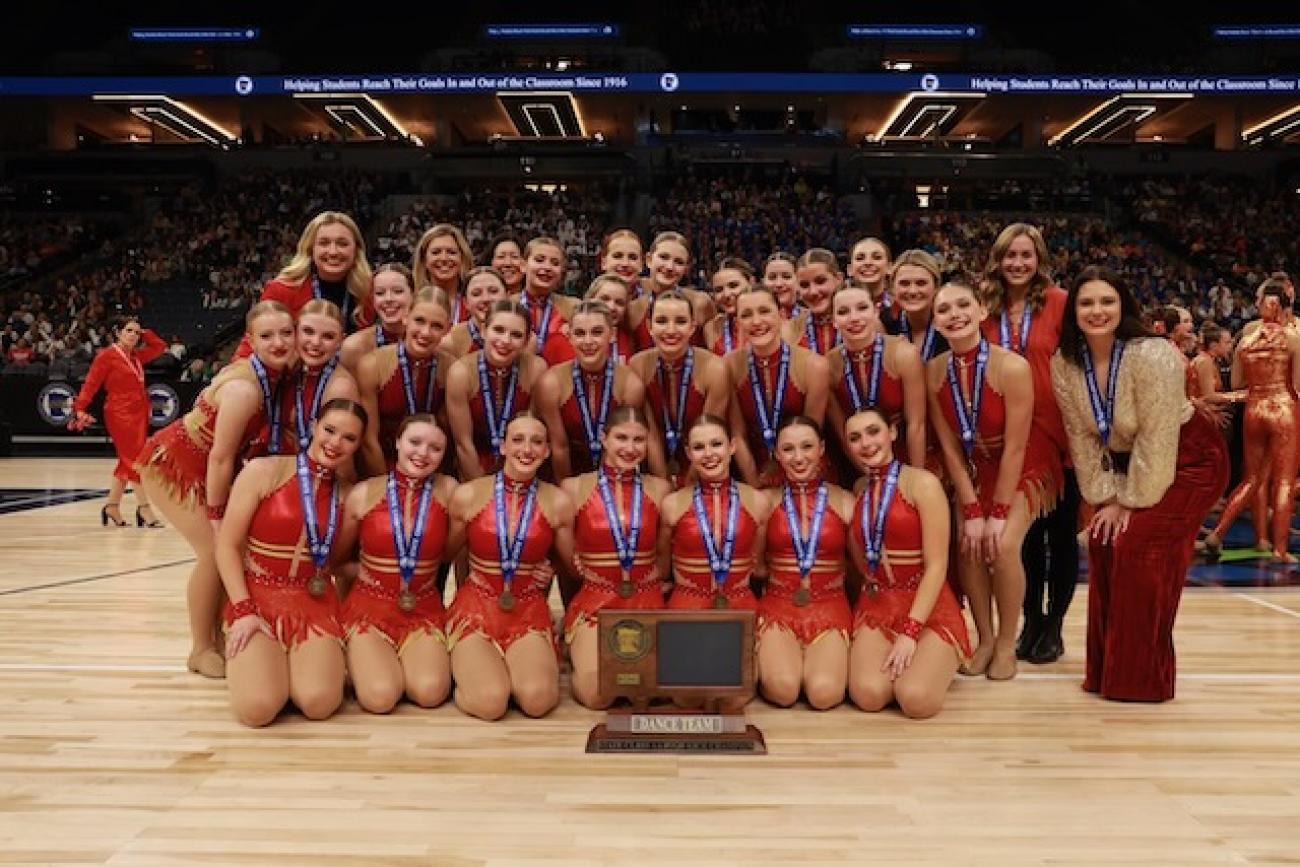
1280 126
363 115
543 114
175 117
923 114
1116 113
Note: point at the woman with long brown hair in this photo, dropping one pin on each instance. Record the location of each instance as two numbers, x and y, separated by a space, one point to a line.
484 287
392 292
668 259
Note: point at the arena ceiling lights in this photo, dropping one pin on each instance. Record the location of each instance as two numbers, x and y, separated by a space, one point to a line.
926 114
1280 126
175 117
543 114
1115 114
363 116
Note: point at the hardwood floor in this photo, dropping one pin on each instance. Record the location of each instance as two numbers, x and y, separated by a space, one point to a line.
110 753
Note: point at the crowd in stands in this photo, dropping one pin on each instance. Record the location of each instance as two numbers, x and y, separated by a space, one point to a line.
29 245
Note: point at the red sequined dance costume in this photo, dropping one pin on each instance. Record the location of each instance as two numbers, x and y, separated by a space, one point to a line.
120 372
660 392
792 403
580 458
602 574
1041 473
476 608
178 454
887 597
827 609
859 365
488 459
727 329
373 600
393 408
278 564
693 587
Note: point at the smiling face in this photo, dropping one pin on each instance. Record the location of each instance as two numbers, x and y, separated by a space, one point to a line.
333 252
589 334
624 259
1097 309
272 338
855 316
817 283
727 285
625 445
870 439
1020 263
543 270
318 338
914 288
799 450
958 313
443 261
671 326
482 291
525 447
759 319
392 297
420 449
780 278
508 259
425 328
335 438
869 262
505 338
668 263
709 448
614 296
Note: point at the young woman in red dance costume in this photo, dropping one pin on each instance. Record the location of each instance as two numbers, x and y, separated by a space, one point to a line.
393 293
484 287
818 276
614 294
549 312
721 333
870 266
668 260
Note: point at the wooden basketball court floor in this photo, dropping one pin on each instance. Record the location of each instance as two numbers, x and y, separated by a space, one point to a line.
110 753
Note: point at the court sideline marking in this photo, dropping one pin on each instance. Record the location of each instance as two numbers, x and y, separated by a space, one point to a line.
71 581
1266 604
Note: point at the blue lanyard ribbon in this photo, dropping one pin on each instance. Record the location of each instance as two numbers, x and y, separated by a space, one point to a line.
543 333
673 426
728 340
719 561
271 403
408 381
408 545
769 416
496 422
968 417
1004 330
624 544
381 338
873 522
814 342
805 549
475 335
1104 416
304 416
320 546
512 549
927 345
873 384
593 427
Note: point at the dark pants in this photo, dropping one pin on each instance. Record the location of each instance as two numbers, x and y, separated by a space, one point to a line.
1051 558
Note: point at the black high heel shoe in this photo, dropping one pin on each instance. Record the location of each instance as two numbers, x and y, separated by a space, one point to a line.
105 518
141 522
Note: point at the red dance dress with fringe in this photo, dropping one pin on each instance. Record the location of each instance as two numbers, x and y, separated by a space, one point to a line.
825 608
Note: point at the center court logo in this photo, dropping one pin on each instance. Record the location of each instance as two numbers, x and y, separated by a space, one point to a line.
54 404
164 404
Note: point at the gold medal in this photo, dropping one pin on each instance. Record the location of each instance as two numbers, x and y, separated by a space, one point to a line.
406 600
317 585
625 587
802 597
506 600
720 600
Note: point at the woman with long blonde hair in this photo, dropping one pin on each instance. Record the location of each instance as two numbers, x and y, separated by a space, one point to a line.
443 259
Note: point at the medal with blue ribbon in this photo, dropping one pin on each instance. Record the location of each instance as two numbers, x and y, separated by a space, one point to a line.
873 384
1019 344
624 543
874 516
719 560
968 414
1104 414
270 403
592 428
496 419
812 333
475 335
927 345
728 340
805 548
511 549
543 327
408 381
769 415
408 545
319 545
673 424
304 416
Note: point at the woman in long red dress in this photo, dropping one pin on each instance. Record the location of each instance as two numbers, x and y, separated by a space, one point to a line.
329 262
406 378
771 380
548 311
818 276
443 259
682 381
119 371
284 640
871 370
393 616
485 389
981 408
393 293
499 624
1025 314
908 631
721 333
803 614
668 259
575 398
616 534
484 287
1150 465
187 467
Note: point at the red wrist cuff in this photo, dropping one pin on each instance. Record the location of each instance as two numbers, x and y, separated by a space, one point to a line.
910 627
216 513
972 511
242 608
1000 511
